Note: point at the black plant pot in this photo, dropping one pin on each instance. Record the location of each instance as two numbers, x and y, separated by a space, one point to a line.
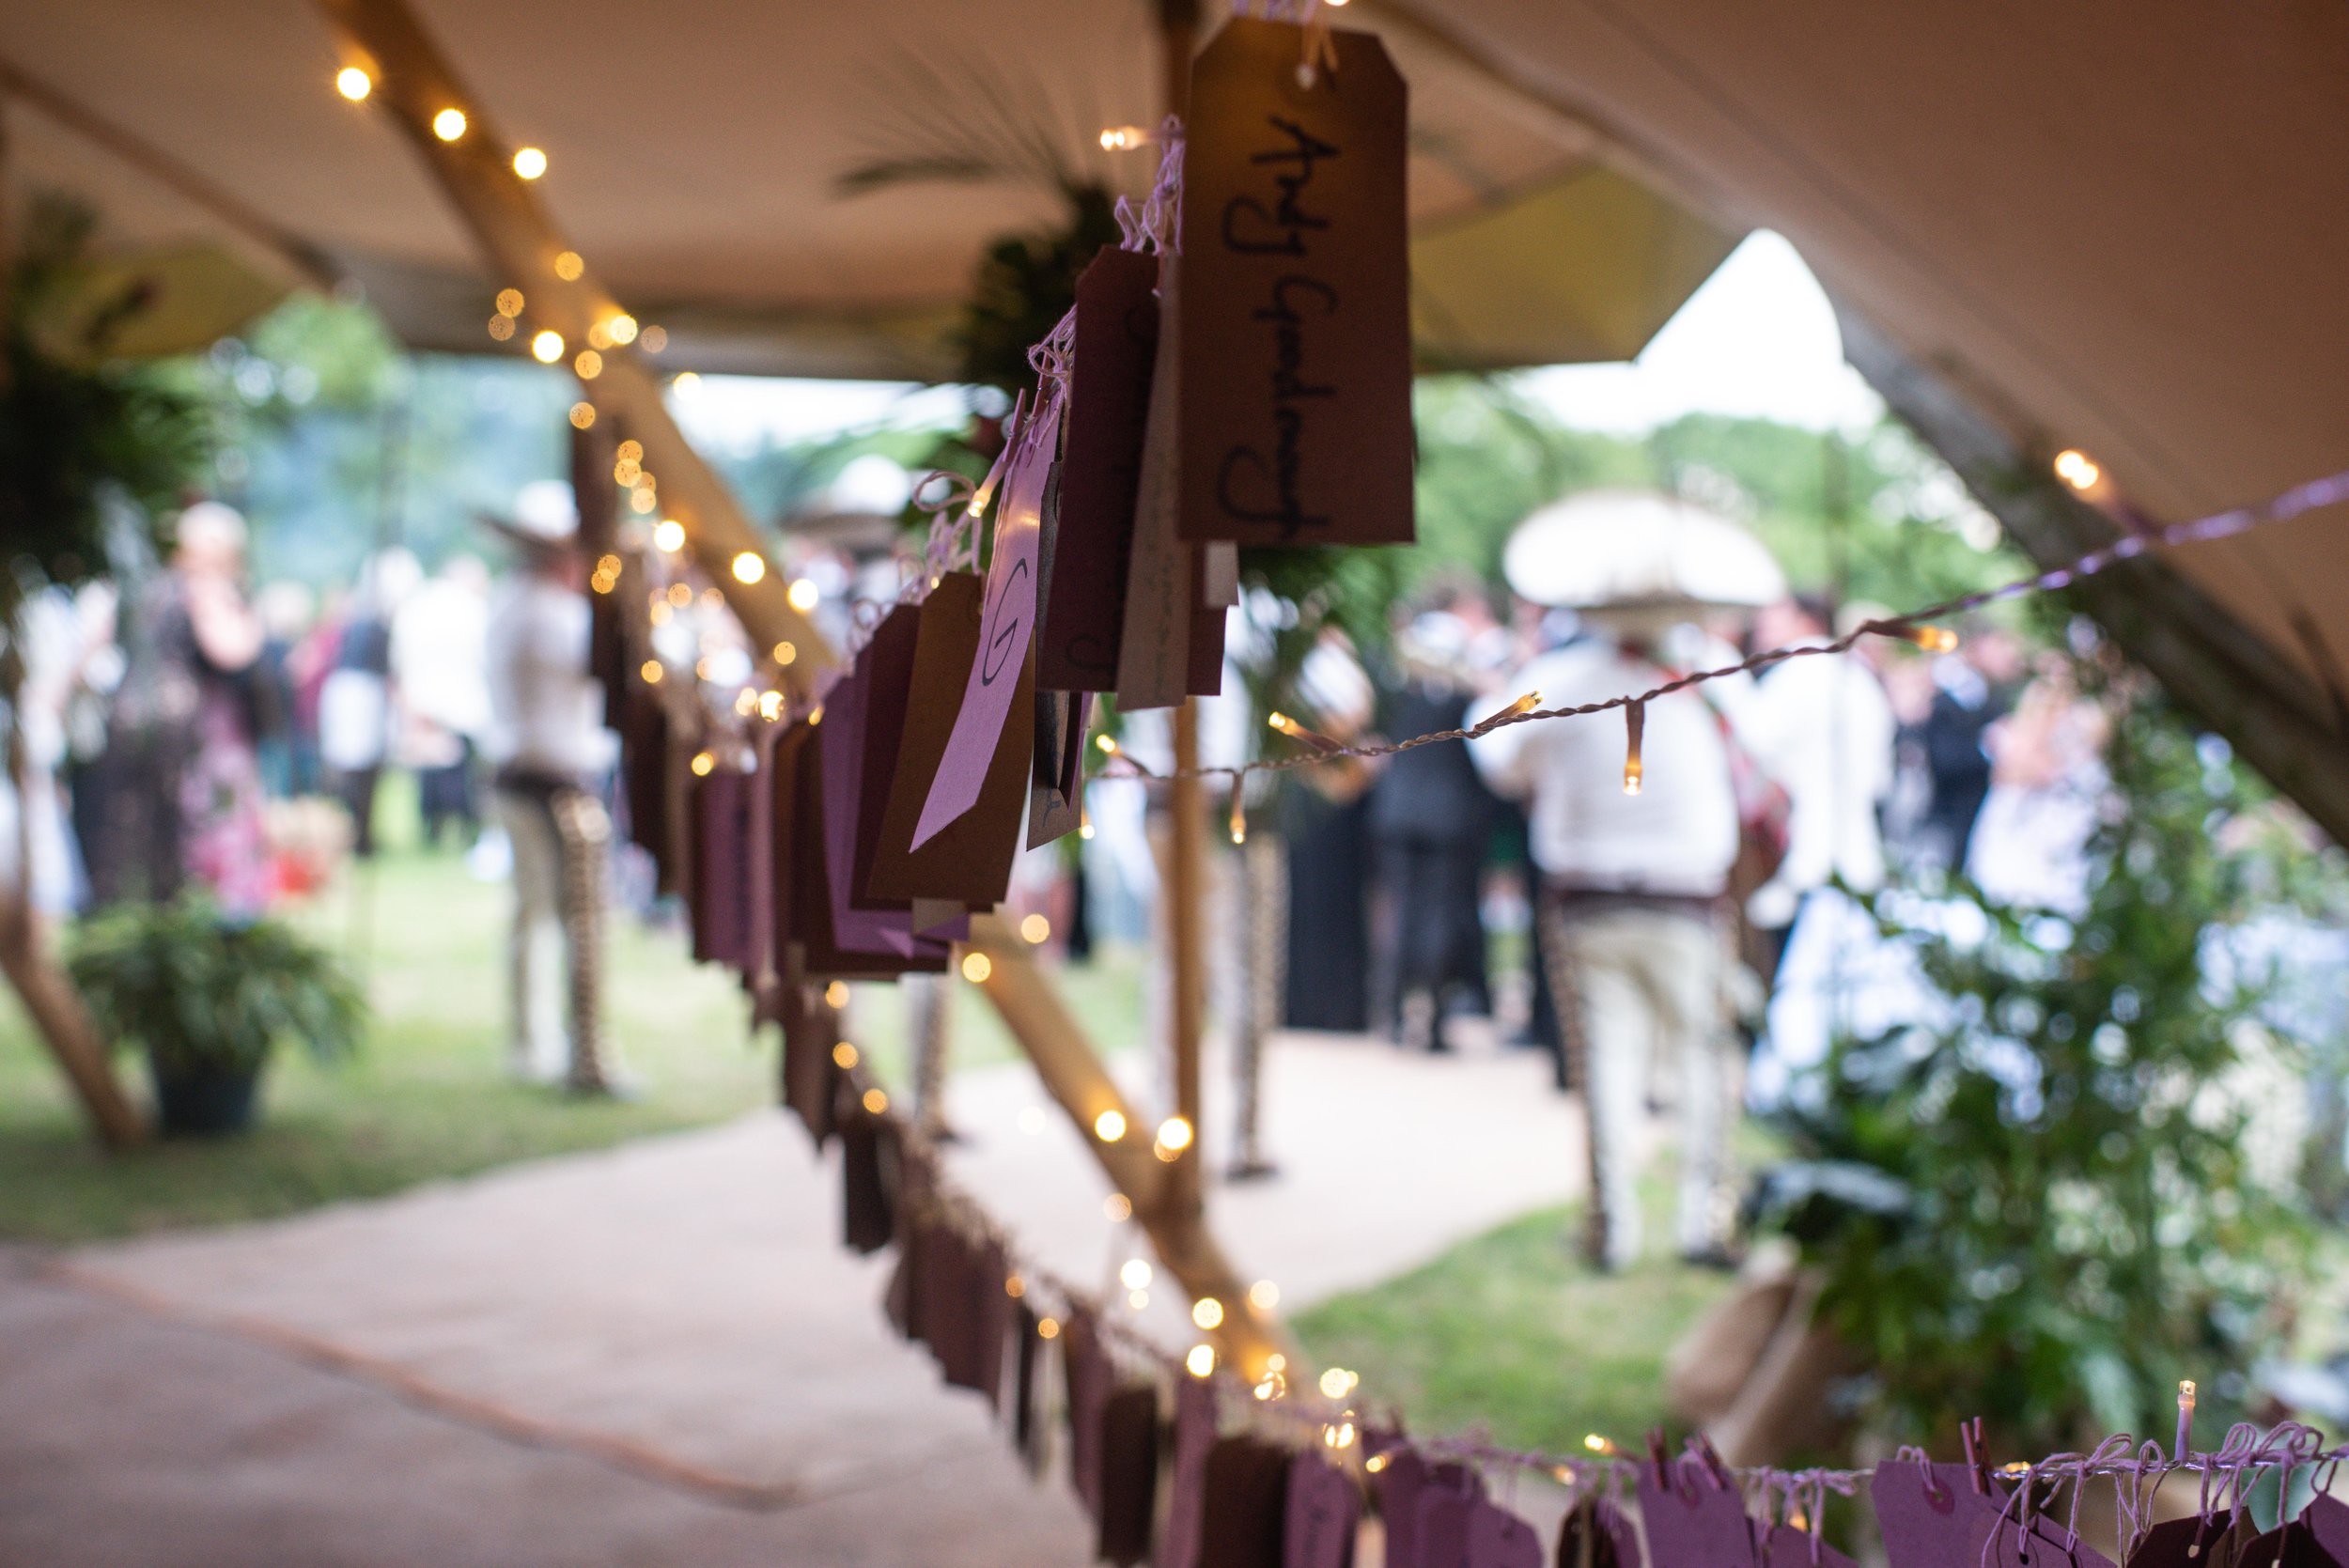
204 1101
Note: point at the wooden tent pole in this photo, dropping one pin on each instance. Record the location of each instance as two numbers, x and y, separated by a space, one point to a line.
54 1007
519 238
1187 852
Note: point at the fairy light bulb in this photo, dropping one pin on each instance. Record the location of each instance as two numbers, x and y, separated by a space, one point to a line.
845 1054
876 1101
1526 704
1118 1208
977 967
546 346
770 705
1239 812
803 593
449 124
2077 469
748 567
622 329
568 266
589 365
1933 638
1108 744
1134 1274
1596 1444
1084 816
1336 1382
1047 1328
1110 1125
785 652
1207 1312
1015 1287
837 995
1201 1361
1264 1296
1175 1133
703 765
529 162
1635 726
509 301
353 84
582 415
650 670
1034 929
668 535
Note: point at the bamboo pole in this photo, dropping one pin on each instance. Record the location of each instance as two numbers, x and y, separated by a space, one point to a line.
1073 1076
521 240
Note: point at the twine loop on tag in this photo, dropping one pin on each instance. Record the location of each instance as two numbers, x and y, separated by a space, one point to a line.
1157 224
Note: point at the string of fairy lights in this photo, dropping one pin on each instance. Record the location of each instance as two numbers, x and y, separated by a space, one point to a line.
1336 1420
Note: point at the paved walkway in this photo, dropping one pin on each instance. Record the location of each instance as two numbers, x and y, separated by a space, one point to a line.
659 1353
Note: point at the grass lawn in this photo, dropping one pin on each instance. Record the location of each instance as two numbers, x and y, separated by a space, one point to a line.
427 1097
1510 1332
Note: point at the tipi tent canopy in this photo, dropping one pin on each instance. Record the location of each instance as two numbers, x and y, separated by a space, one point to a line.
2115 227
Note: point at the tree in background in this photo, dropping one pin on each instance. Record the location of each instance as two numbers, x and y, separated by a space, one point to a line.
2041 1208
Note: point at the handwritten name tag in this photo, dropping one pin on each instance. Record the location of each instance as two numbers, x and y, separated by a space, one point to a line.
1295 335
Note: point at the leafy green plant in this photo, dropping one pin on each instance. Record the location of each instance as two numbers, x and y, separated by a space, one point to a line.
2039 1210
201 991
75 428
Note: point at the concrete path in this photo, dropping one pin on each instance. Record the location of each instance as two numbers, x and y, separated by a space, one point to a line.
659 1353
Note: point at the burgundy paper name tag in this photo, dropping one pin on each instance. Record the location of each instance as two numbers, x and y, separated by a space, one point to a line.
1085 1365
1194 1439
1246 1505
1447 1508
1129 1474
1082 607
1323 1513
887 666
1295 333
1694 1518
869 1154
1790 1547
1498 1539
1596 1534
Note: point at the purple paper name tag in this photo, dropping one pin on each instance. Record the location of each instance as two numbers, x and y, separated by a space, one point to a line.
1005 629
1324 1511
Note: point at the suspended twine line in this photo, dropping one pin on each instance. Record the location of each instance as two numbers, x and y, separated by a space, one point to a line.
2241 520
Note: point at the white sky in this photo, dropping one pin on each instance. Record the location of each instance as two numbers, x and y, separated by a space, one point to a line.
1758 339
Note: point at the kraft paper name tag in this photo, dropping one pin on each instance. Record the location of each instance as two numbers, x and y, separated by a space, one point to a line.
1161 588
1006 626
1324 1511
1295 336
887 666
1053 810
969 862
1081 611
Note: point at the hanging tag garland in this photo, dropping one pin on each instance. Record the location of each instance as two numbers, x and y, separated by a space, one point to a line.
1294 334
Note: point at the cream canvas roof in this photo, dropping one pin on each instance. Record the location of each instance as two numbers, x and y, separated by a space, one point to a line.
2110 224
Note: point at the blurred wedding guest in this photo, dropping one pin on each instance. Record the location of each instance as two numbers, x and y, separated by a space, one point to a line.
288 757
1973 688
66 639
439 641
1431 821
549 750
183 795
2048 787
355 702
1632 885
1823 727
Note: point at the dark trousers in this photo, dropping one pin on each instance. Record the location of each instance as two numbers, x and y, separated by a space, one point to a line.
1436 926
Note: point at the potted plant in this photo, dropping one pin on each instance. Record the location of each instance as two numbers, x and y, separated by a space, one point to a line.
208 998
